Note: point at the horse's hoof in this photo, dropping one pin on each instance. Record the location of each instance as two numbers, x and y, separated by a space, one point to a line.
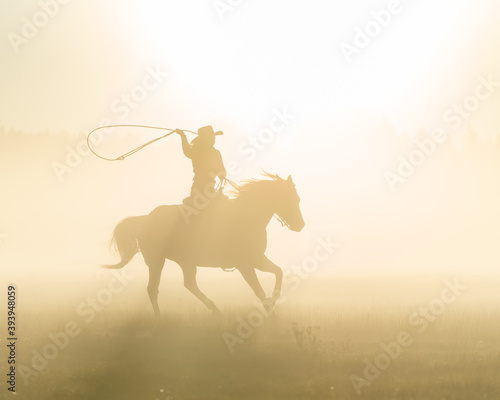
268 305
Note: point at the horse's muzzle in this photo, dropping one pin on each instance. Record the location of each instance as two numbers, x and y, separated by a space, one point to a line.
298 227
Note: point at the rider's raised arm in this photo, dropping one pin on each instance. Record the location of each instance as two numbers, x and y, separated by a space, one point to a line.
186 147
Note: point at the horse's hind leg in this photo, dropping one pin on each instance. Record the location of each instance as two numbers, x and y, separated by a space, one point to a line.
155 267
192 285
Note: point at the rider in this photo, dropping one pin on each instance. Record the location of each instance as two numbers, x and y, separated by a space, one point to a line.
207 162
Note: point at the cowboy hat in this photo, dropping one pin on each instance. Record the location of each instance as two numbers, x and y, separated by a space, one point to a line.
208 130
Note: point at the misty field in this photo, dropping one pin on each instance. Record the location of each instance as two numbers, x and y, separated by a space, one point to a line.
311 348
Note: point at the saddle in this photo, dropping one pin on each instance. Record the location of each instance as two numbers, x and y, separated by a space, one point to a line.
196 210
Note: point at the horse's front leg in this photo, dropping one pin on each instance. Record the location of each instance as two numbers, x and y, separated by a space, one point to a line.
269 266
251 277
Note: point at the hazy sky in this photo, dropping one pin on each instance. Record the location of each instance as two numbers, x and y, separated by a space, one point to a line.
239 63
188 64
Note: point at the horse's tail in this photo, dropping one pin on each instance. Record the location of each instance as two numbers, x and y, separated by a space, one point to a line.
125 240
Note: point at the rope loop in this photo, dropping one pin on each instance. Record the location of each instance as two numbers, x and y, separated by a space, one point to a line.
133 151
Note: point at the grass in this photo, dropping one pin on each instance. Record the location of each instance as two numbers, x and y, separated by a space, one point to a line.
306 351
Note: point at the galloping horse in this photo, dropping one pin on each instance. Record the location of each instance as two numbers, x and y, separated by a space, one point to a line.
228 234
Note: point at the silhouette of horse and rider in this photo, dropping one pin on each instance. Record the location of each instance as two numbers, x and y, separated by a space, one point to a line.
228 233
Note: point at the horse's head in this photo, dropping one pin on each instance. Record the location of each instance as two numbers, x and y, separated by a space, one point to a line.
287 205
273 196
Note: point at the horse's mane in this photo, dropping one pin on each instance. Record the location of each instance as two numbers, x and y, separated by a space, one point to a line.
250 186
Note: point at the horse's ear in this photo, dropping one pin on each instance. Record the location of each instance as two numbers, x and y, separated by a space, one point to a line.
289 179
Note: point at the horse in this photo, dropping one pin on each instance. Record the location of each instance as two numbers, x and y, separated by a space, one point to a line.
229 233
